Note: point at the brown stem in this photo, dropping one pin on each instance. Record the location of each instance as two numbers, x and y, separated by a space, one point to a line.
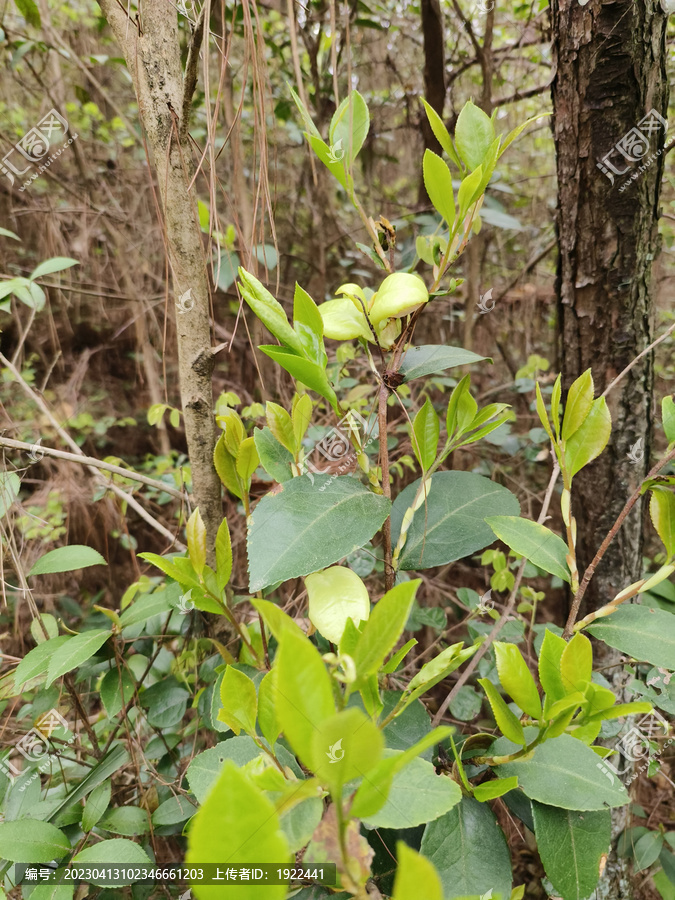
508 609
386 487
588 574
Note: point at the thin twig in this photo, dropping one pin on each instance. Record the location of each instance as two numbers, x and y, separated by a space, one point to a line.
91 461
386 487
588 574
508 609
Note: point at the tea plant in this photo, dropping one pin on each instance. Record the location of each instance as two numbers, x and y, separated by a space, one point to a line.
323 733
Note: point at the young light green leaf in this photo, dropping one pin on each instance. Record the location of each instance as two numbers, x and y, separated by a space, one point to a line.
226 467
301 416
442 135
662 512
240 703
329 157
578 405
438 182
590 439
335 595
506 721
349 127
415 876
309 326
551 651
304 693
474 134
576 664
345 746
306 118
276 619
268 310
533 541
497 787
668 418
267 704
67 559
75 652
196 538
49 266
247 460
36 661
555 404
434 671
275 459
280 424
516 678
426 430
384 627
223 555
469 191
541 412
303 370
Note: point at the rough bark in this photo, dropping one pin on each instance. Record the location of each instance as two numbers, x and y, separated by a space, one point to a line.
151 48
610 72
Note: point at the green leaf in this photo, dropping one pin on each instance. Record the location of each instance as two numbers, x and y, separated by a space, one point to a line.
349 126
430 359
127 820
306 118
668 418
647 849
468 191
96 805
49 266
442 135
497 787
576 664
507 722
516 678
247 461
10 484
438 182
426 429
67 559
564 772
474 134
345 746
118 852
329 158
32 841
286 535
301 416
578 405
77 651
173 811
226 467
276 619
469 851
417 795
335 595
304 370
541 412
304 693
436 670
372 793
415 876
117 688
549 666
643 633
36 661
662 512
451 524
571 845
240 703
113 760
223 555
533 541
281 426
384 627
196 538
205 769
274 457
590 439
30 12
237 823
10 234
269 311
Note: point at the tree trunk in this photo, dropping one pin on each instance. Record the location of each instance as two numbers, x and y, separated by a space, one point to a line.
609 60
151 47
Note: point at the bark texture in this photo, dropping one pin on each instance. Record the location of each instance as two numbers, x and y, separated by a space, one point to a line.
151 48
610 73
